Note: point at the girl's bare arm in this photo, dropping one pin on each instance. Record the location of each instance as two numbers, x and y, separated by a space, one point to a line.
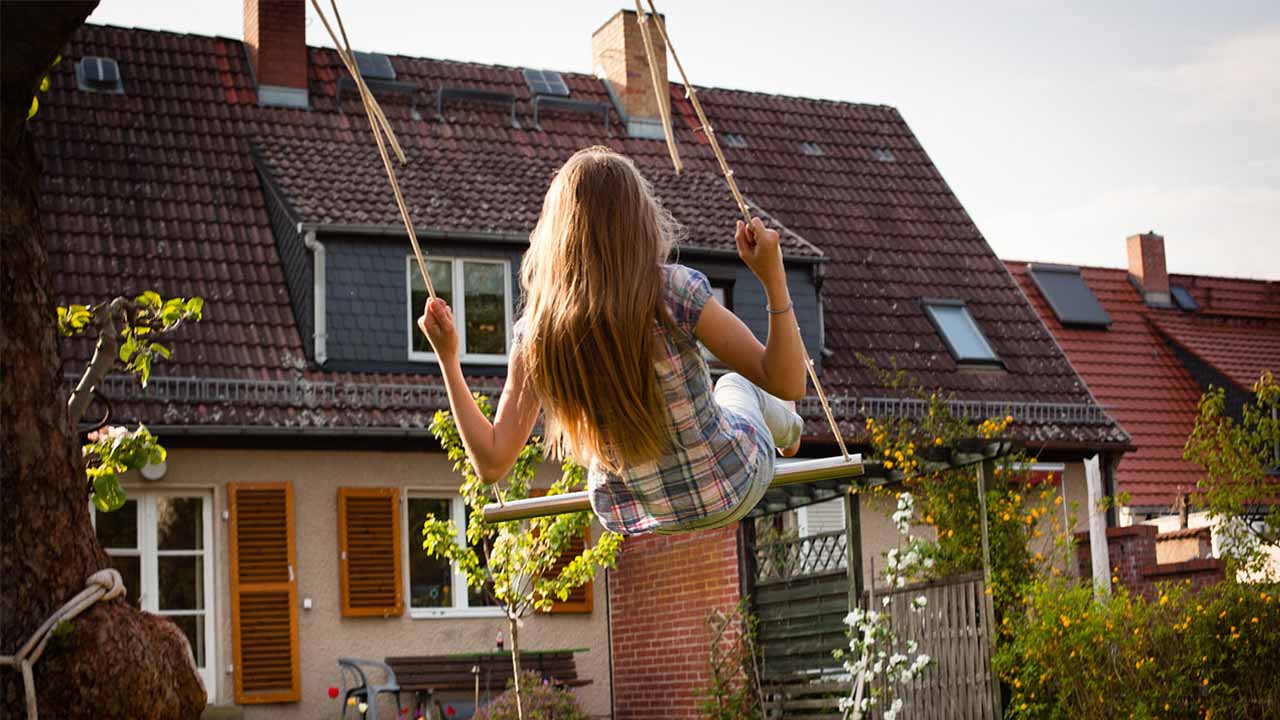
777 367
492 447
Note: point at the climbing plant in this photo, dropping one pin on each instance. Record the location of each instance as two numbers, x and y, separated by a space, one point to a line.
513 562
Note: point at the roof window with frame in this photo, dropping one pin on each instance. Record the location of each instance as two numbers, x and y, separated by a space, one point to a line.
545 82
374 66
1182 298
1069 297
99 74
959 331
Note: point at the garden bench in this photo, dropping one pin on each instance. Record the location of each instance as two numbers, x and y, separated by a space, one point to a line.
431 675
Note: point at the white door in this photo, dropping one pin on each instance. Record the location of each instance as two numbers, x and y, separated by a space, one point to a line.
161 542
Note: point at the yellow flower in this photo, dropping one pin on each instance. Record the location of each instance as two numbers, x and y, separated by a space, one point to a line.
1164 599
1066 621
888 464
937 440
1057 500
1206 682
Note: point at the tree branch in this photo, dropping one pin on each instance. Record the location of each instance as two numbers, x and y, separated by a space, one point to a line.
104 358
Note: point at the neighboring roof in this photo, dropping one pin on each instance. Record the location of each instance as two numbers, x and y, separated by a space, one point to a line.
160 188
1135 372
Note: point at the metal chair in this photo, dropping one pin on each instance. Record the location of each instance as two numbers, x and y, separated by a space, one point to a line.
355 683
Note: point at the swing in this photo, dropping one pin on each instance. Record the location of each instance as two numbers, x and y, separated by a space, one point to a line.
788 472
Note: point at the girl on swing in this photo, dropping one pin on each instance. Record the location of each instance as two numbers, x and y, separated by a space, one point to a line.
607 345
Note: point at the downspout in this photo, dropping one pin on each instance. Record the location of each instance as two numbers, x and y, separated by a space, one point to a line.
317 301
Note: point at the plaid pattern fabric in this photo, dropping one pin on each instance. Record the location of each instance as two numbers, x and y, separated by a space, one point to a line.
714 456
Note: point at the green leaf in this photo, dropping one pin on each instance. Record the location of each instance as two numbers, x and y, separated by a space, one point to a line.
195 307
161 350
127 348
107 493
35 107
44 84
149 299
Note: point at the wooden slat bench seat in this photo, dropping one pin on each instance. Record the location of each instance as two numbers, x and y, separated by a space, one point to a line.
453 673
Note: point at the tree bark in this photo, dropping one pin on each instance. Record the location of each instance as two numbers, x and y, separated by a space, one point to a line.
117 662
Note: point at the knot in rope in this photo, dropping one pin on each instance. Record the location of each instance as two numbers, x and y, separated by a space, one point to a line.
106 584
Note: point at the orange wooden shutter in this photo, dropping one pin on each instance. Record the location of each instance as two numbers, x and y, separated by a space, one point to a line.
579 600
264 592
369 543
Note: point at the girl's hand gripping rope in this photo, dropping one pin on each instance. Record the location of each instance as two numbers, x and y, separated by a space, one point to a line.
437 324
759 248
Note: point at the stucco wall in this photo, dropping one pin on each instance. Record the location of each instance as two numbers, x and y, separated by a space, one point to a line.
323 635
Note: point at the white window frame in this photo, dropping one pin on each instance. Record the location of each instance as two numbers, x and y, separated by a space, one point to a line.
149 555
459 308
461 600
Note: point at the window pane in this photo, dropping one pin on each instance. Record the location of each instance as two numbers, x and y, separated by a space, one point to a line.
181 580
193 627
430 578
118 529
441 272
179 523
963 334
130 567
478 597
486 311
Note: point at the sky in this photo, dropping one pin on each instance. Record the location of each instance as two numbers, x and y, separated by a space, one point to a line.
1062 127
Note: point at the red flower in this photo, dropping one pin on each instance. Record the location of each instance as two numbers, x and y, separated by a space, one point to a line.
333 693
450 711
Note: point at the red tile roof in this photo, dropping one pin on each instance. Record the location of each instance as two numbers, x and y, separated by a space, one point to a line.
158 188
1133 370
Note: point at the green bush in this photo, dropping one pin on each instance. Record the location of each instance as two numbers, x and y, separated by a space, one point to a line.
1206 654
541 702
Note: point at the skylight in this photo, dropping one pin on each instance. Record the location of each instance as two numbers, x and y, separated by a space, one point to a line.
958 330
545 82
884 155
375 66
811 148
1183 298
733 140
1071 300
99 74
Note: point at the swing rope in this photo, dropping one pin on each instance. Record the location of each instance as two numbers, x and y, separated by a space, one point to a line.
379 124
692 94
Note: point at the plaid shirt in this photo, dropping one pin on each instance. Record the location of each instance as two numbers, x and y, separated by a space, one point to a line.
713 455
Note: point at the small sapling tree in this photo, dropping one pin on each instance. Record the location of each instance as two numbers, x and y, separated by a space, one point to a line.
1241 488
513 562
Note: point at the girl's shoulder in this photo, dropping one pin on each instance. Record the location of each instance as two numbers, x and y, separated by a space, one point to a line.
686 292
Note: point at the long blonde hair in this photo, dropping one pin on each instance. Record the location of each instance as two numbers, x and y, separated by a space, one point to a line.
592 284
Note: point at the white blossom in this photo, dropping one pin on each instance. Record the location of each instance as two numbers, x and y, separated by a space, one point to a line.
894 709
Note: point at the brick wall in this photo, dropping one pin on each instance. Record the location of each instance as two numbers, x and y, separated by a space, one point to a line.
660 596
1131 552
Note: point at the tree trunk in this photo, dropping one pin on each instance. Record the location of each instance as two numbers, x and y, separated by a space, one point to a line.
513 623
116 662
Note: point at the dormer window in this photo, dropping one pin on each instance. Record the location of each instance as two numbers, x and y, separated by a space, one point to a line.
99 74
959 331
479 292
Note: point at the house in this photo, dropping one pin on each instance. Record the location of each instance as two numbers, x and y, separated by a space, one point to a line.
1148 343
242 171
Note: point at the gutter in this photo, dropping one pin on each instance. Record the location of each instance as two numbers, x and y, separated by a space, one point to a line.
318 307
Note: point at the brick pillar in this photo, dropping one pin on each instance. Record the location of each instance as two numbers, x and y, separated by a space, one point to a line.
275 33
660 596
618 54
1132 556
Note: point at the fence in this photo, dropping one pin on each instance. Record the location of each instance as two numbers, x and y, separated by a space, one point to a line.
955 629
786 558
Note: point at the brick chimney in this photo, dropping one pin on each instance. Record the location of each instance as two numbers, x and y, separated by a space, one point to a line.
275 33
1147 270
618 56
